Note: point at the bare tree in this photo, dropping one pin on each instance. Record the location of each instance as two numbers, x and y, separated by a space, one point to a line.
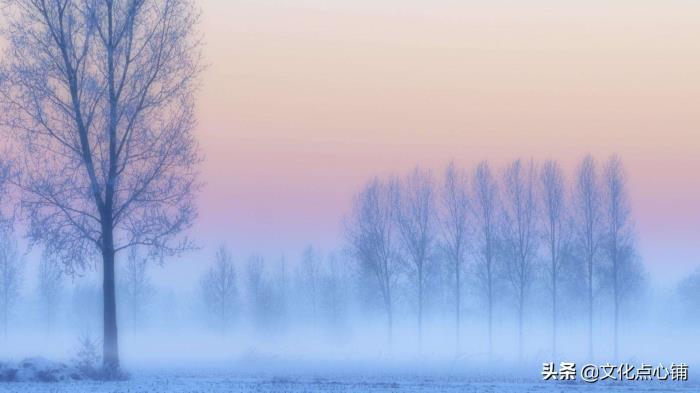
100 94
49 288
454 223
555 231
219 289
588 223
255 286
415 218
136 286
520 233
280 294
370 232
334 292
11 269
10 264
7 212
619 236
484 207
688 290
309 274
86 304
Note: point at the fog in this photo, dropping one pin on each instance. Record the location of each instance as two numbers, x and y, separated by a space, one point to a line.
346 330
464 271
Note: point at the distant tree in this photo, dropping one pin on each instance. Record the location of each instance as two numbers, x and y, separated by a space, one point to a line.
220 290
309 273
587 212
454 220
11 269
138 291
10 265
520 233
49 288
556 232
334 292
371 235
280 292
8 172
619 239
256 288
688 290
485 209
416 224
101 96
86 304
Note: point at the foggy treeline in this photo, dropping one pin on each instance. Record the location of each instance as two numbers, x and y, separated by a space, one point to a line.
484 261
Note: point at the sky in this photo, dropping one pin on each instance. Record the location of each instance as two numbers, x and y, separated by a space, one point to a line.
303 101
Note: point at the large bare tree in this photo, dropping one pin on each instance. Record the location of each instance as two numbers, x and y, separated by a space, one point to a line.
555 231
371 234
520 233
485 210
416 222
587 209
100 94
454 219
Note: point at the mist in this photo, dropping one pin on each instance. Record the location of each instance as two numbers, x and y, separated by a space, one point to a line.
321 196
314 309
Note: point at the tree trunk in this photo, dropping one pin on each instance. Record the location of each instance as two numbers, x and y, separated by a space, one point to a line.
616 301
554 316
590 308
490 316
457 306
615 348
390 321
520 329
420 308
110 354
5 306
4 315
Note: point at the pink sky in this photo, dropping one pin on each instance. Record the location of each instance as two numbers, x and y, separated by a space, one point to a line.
304 100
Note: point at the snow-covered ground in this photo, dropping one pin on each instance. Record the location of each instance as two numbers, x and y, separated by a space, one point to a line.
218 381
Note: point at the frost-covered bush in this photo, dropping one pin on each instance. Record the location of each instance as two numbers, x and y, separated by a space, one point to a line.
87 357
38 370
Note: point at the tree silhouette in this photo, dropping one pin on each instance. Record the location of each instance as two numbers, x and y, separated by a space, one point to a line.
100 96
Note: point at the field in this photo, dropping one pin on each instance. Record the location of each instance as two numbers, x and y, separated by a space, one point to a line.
220 382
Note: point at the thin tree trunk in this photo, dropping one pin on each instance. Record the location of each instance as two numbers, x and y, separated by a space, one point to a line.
420 307
4 314
520 327
135 316
390 321
615 352
590 309
5 306
490 316
457 305
554 315
110 341
616 306
48 320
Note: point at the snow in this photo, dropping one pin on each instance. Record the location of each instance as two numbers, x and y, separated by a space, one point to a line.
220 382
